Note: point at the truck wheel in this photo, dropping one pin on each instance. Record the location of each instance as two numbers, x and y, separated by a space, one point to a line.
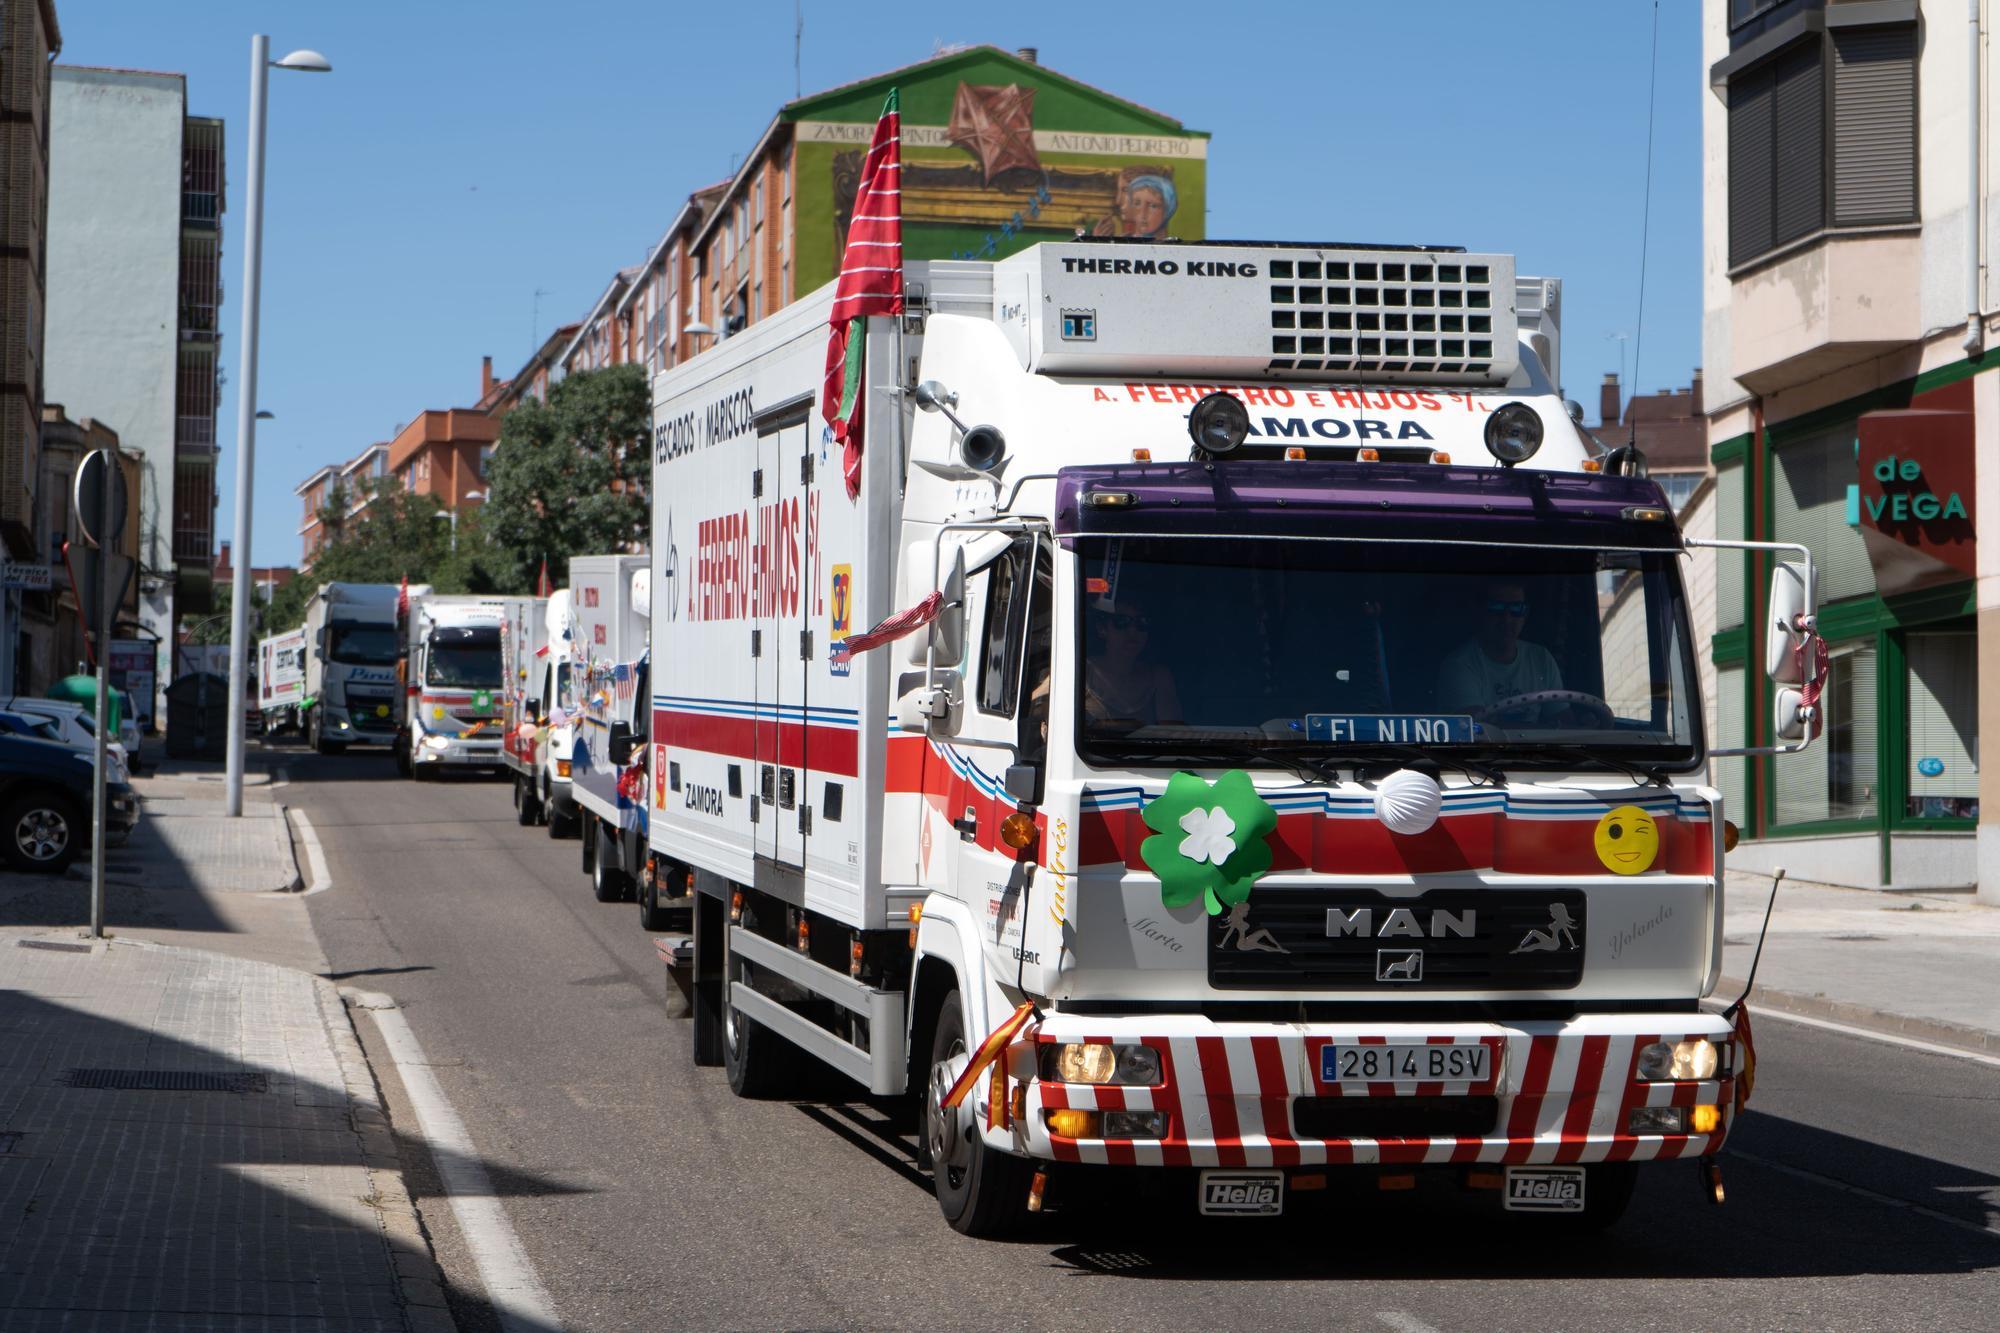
561 825
609 883
759 1062
524 802
652 916
587 843
43 833
404 768
981 1192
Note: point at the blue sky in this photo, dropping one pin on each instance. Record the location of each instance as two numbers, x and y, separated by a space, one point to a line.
463 157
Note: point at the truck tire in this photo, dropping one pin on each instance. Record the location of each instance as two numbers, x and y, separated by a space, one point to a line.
404 768
560 825
43 833
652 916
981 1192
608 882
759 1063
321 744
710 920
524 802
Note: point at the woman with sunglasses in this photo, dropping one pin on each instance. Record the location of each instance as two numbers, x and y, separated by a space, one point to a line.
1121 687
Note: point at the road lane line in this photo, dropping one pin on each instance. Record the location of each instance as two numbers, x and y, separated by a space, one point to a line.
322 878
1403 1323
1869 1034
513 1289
1890 1200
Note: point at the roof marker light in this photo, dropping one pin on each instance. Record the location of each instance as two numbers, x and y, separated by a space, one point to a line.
1294 452
1142 455
1110 500
1593 465
1440 456
1369 456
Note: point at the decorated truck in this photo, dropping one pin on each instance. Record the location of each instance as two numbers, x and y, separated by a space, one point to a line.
524 653
610 602
352 654
281 681
453 682
1239 729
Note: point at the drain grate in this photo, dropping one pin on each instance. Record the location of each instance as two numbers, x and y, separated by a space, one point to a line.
166 1080
57 945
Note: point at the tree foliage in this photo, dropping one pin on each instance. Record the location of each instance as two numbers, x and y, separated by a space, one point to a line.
569 476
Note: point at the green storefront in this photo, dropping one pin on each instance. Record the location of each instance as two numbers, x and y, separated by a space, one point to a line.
1880 488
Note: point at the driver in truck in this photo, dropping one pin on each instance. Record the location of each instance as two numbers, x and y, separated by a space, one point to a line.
1497 663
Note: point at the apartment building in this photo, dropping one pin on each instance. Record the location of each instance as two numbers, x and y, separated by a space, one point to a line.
136 196
1849 339
29 40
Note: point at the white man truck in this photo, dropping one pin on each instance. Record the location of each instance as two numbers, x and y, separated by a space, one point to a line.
453 682
1241 733
610 604
352 648
281 681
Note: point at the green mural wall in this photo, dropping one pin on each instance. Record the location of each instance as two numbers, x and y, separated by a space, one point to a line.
998 154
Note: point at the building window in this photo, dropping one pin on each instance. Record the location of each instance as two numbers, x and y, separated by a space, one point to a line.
1942 764
1731 775
1809 481
486 460
1838 778
1836 109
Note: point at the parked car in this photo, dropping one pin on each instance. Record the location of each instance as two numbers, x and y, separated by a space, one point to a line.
45 794
75 726
128 729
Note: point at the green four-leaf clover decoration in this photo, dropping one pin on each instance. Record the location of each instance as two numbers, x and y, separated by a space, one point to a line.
1210 841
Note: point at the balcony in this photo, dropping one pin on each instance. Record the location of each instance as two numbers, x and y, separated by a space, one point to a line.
1839 300
201 173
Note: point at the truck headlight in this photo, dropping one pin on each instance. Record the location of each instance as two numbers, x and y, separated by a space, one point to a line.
1679 1061
1657 1120
1101 1062
437 742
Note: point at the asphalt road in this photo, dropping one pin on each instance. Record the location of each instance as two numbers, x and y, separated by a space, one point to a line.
1864 1182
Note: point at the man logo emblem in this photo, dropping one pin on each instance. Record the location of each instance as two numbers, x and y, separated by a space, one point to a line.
1079 325
1399 965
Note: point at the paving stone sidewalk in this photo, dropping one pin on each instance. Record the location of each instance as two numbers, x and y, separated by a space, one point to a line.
130 1199
1918 964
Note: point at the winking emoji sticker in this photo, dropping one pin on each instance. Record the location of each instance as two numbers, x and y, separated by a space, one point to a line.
1627 840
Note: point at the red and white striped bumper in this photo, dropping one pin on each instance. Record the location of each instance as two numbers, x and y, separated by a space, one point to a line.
1564 1092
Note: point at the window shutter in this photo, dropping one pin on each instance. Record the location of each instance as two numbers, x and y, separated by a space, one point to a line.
1798 137
1750 102
1874 125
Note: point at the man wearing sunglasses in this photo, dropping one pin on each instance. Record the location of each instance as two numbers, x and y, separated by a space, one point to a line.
1497 663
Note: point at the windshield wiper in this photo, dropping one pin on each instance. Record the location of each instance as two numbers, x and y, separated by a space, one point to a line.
1574 750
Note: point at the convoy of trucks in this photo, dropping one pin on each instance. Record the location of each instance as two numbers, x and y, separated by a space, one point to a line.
1240 732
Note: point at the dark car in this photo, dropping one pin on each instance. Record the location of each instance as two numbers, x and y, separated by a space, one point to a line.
45 804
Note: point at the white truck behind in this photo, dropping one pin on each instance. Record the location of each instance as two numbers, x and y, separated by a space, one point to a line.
1261 771
281 681
352 649
453 682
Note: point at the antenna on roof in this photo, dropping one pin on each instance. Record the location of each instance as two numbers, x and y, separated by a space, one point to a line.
1646 216
798 39
535 322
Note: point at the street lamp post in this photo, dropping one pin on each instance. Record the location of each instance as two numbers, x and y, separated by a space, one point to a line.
246 405
452 514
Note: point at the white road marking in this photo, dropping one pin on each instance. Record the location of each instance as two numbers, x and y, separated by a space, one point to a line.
1403 1323
322 878
515 1292
1889 1200
1869 1034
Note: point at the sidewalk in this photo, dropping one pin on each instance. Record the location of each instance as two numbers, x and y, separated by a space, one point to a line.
185 1141
1923 965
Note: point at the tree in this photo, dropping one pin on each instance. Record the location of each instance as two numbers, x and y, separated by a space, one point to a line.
214 628
569 477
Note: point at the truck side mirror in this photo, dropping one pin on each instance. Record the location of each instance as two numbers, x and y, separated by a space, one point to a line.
929 709
1023 782
1788 718
1790 599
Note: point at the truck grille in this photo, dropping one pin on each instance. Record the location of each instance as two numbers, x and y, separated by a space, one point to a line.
363 705
1466 939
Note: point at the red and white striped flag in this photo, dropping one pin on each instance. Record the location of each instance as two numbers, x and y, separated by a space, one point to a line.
895 627
403 599
871 283
542 583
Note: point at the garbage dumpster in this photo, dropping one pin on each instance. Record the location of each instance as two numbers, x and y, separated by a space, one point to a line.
198 716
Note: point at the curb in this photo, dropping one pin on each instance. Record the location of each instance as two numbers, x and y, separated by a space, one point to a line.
417 1272
1978 1041
291 855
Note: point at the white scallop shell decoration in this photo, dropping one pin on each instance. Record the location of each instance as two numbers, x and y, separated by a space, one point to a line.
1407 802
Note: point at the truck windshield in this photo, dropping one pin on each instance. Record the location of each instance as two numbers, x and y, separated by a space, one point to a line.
464 658
1285 651
362 645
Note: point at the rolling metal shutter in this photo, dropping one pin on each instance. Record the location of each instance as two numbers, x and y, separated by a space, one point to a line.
1875 125
1777 155
1750 97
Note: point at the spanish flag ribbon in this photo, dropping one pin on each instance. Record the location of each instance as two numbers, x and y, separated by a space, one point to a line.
989 1051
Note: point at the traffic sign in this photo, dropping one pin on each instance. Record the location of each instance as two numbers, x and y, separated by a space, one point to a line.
91 479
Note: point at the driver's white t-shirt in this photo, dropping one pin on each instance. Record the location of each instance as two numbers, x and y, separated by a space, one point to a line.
1471 679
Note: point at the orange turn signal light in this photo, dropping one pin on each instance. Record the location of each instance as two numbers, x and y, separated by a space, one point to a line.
1730 834
1706 1119
1018 830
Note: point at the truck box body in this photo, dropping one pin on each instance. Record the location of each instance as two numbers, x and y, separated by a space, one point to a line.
455 683
524 643
351 684
609 600
281 679
1338 735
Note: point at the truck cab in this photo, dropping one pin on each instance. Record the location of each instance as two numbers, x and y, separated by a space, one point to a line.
455 684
